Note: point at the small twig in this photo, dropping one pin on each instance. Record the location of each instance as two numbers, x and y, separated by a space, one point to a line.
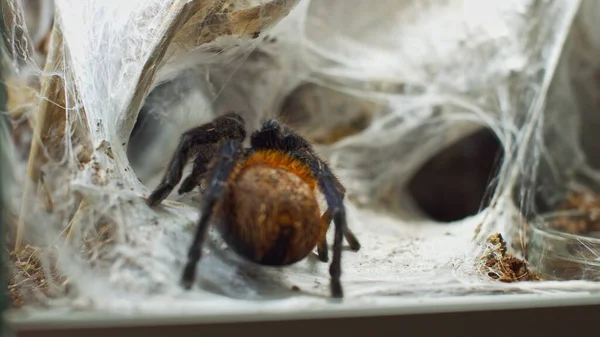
75 221
48 116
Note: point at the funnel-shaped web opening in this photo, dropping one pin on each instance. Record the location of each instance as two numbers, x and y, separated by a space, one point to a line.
457 182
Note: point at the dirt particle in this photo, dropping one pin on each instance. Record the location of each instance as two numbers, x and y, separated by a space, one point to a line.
105 146
29 280
500 265
580 225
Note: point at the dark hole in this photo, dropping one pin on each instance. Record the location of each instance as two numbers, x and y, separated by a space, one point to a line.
458 181
147 125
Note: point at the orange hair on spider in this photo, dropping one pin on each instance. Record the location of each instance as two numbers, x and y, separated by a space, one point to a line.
280 160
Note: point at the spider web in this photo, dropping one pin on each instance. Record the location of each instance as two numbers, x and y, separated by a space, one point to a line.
431 72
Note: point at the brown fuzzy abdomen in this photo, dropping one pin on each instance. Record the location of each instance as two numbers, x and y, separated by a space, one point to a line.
270 216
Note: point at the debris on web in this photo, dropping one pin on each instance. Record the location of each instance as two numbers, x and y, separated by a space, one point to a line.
500 265
588 204
30 282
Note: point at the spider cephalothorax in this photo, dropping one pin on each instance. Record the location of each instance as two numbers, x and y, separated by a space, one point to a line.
262 198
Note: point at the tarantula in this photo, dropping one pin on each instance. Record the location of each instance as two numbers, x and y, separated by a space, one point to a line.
263 196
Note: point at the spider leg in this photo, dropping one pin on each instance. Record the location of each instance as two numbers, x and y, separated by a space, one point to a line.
224 166
228 126
337 211
200 168
191 181
322 251
350 237
174 172
272 136
295 142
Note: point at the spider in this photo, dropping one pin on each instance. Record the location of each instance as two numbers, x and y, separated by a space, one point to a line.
262 197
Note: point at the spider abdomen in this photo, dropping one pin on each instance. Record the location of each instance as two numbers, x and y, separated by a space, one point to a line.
271 215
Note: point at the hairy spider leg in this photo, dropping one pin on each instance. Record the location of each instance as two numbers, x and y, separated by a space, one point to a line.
228 126
293 142
338 213
350 237
225 164
198 171
270 136
322 251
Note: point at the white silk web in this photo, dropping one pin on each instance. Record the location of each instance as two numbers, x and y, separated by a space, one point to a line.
121 81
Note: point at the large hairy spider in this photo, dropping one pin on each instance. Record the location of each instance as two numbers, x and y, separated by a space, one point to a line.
263 196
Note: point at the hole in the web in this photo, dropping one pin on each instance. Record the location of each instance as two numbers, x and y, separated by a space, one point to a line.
324 115
454 184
